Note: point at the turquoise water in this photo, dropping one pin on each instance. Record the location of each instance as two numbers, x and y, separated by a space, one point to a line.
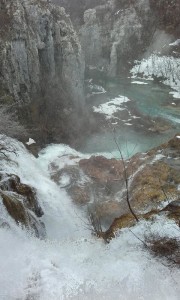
149 101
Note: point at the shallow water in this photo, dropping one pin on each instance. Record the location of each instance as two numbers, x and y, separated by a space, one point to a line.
150 100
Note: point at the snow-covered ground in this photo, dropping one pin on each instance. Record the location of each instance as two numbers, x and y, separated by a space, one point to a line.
111 107
166 68
70 263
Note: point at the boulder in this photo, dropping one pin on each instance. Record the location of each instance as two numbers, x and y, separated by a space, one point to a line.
21 204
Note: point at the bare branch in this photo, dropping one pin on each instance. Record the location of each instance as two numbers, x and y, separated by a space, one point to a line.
126 180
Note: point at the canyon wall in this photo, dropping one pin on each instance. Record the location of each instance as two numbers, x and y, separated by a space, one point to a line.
116 32
41 66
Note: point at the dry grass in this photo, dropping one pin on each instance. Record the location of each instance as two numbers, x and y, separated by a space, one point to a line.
165 248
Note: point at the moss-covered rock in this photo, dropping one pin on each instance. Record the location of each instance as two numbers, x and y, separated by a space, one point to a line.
15 209
21 204
153 178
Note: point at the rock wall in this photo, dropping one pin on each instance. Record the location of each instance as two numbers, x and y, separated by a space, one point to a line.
116 32
41 63
112 33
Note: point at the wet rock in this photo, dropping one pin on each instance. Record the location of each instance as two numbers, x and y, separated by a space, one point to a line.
12 183
160 125
102 169
15 209
106 211
21 204
154 184
173 211
98 183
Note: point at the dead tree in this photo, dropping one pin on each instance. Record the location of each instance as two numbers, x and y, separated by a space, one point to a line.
125 175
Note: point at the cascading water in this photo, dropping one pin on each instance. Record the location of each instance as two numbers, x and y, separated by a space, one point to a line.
70 263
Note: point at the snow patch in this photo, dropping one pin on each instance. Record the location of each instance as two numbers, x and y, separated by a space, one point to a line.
139 82
30 142
176 43
166 68
111 107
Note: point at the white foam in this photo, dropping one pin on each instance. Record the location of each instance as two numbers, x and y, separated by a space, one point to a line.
71 263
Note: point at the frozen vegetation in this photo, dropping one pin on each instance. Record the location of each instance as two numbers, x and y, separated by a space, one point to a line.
70 263
164 68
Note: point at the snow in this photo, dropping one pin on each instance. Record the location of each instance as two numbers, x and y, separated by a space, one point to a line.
70 263
176 43
176 95
135 117
117 12
128 124
111 107
30 142
139 82
167 68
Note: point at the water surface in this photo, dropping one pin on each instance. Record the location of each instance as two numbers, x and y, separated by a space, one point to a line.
148 101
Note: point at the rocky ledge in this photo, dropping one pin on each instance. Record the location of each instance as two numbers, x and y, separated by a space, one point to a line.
21 204
41 63
98 185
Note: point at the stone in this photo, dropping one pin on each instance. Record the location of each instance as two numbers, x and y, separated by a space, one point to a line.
21 204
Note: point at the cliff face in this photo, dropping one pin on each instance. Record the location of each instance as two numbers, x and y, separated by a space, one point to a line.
114 33
112 36
41 62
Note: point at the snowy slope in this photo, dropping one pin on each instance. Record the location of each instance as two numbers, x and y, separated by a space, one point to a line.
166 68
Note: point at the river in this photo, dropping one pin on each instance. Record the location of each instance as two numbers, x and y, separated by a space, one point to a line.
151 117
